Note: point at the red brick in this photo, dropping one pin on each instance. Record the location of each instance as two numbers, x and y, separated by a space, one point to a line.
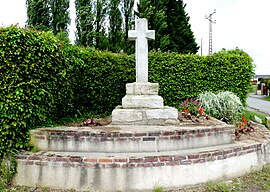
64 159
75 159
135 160
180 157
21 157
41 163
126 134
165 158
39 137
250 150
105 160
29 163
204 155
121 160
168 133
151 159
34 158
140 134
134 139
216 153
193 156
88 160
247 147
164 138
225 152
175 137
154 134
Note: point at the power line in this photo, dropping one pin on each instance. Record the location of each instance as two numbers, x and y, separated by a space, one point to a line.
210 31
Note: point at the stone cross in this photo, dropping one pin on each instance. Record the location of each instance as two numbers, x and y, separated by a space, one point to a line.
141 35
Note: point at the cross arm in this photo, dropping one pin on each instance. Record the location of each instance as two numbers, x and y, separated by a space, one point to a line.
132 35
150 34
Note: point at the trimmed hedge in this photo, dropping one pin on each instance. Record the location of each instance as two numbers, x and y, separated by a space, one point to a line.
43 79
32 75
186 76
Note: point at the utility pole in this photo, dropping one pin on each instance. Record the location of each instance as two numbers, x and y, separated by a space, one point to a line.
210 31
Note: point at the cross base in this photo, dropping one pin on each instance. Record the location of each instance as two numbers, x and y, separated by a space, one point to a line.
165 116
143 106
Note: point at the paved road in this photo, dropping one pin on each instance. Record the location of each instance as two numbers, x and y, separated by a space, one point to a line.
259 104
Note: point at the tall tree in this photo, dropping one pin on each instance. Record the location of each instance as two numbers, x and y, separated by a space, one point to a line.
100 13
115 26
127 11
181 36
155 12
84 22
38 14
60 16
170 21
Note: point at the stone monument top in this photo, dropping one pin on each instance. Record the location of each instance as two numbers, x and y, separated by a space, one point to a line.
141 35
142 105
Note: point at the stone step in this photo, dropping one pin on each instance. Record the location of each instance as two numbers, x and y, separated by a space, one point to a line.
126 139
138 171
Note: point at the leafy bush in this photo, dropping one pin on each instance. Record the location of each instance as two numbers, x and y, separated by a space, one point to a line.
186 76
32 83
225 106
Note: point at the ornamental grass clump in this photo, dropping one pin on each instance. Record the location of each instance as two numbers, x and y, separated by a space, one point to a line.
225 106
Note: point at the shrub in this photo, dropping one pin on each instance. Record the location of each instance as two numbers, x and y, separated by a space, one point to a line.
186 76
225 106
32 83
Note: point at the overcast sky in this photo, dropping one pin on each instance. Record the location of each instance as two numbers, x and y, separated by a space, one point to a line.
239 23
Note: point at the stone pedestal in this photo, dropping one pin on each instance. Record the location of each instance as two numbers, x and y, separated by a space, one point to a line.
143 106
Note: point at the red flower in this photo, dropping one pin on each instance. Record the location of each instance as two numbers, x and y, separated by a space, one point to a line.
186 111
201 110
240 126
244 120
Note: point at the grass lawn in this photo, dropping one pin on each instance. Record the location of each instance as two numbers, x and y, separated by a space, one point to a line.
249 115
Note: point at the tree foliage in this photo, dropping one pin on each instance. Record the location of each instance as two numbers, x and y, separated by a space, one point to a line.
115 27
171 23
38 14
128 20
48 15
84 22
60 15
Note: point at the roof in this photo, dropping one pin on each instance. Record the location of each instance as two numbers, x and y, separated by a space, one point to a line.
262 76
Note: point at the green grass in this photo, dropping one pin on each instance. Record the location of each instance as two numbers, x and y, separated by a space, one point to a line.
249 115
266 98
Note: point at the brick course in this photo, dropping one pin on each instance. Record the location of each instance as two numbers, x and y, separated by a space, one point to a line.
124 162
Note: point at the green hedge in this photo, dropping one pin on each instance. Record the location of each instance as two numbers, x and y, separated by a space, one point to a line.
186 76
43 79
32 75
